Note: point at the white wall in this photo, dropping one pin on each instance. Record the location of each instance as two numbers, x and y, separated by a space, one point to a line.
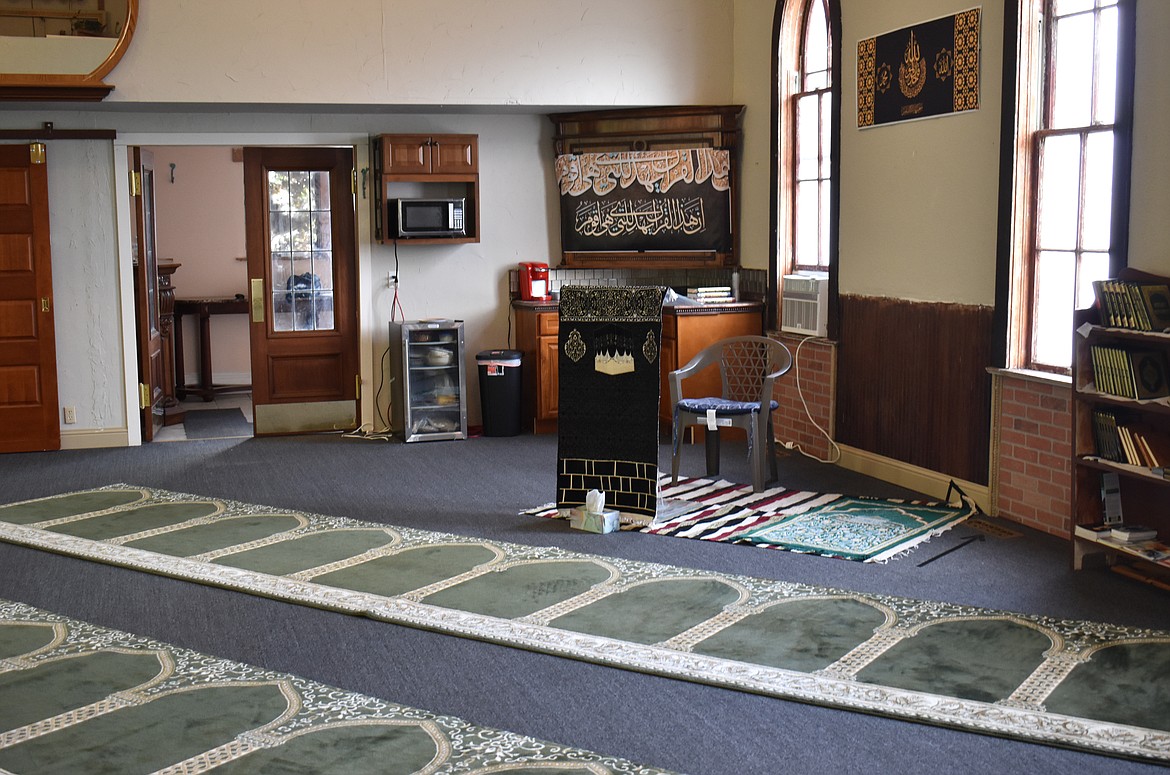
466 282
918 199
429 52
86 292
1149 231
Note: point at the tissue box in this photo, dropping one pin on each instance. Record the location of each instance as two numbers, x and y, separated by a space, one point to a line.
595 522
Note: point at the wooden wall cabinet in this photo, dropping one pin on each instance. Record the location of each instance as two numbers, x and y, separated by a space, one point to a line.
1144 492
425 165
685 331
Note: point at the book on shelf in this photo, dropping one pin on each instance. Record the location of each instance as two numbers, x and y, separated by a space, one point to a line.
1122 440
1132 533
1141 306
1130 373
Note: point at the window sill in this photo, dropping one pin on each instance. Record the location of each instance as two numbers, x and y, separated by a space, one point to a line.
1029 375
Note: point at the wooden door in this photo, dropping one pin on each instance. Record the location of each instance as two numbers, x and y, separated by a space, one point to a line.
28 349
299 211
151 364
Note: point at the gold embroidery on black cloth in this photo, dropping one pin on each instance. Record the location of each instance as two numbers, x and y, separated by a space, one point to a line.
967 60
627 304
912 71
865 80
575 346
650 347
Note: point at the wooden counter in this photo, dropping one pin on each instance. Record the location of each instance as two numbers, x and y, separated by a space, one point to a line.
685 331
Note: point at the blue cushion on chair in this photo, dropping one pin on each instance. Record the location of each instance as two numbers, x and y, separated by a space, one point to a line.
721 406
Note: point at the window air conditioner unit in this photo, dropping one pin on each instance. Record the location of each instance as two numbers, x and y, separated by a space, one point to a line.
804 304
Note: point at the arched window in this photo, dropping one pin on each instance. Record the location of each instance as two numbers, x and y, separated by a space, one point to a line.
804 135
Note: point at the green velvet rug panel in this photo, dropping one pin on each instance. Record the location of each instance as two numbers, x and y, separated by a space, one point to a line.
17 639
411 569
385 748
1115 684
89 700
198 539
145 738
67 505
981 660
677 605
284 558
804 635
122 523
62 685
521 590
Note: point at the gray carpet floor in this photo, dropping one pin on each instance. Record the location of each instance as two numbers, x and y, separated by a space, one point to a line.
476 487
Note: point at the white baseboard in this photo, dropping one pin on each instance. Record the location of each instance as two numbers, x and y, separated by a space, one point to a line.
94 438
912 477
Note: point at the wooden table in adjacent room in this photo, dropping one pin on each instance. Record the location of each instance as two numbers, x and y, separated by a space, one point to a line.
204 308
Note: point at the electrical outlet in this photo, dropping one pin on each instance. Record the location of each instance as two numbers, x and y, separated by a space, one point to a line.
70 415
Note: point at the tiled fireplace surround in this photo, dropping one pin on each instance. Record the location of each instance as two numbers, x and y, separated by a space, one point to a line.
1031 424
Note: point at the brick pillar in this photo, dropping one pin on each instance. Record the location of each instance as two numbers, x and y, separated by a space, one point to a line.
1032 461
815 364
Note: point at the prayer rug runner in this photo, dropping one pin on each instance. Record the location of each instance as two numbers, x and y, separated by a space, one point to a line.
829 524
1094 686
86 699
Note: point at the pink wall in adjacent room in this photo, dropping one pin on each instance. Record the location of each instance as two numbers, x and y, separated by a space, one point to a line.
200 224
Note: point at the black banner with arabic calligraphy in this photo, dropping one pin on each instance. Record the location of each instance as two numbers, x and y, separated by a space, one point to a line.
671 200
928 69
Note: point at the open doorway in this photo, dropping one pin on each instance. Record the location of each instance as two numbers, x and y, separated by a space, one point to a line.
231 358
199 244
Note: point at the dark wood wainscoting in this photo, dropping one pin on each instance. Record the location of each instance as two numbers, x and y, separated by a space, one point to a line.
912 383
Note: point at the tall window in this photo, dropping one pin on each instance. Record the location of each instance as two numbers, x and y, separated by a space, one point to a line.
1067 124
805 134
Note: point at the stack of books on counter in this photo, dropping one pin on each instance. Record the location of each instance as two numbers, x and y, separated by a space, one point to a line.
711 294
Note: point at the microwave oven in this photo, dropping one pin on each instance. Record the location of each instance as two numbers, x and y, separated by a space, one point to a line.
425 218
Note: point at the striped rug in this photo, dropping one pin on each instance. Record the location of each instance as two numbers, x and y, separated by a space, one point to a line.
829 524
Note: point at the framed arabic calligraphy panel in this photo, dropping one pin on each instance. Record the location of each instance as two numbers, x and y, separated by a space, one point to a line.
929 69
648 187
668 200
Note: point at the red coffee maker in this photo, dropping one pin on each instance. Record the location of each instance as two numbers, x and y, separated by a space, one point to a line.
533 281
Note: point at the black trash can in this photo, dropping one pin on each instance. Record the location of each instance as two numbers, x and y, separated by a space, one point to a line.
499 391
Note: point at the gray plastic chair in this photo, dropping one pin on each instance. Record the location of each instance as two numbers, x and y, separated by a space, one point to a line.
748 368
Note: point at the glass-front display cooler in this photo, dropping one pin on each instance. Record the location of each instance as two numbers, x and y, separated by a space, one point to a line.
430 388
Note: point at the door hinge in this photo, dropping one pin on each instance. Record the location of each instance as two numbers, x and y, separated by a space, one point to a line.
143 395
45 306
135 184
353 181
357 385
36 153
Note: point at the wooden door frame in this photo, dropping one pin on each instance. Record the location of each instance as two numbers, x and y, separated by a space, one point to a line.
363 241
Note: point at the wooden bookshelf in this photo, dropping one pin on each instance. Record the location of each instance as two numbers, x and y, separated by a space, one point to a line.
1144 491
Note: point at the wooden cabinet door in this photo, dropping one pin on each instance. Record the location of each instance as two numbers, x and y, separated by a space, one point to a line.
549 391
454 154
406 154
